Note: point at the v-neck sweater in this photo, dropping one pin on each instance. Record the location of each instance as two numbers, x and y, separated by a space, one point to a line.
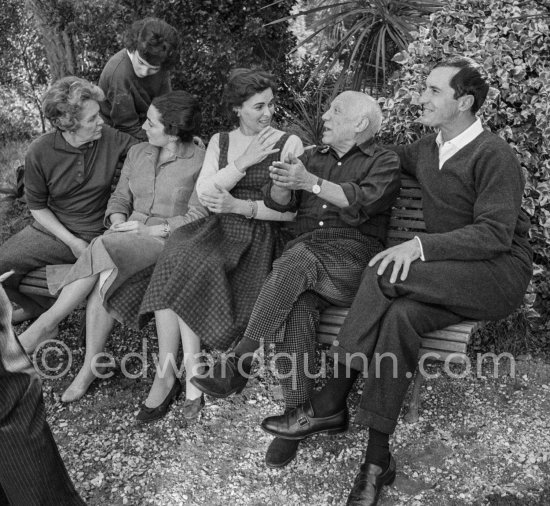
472 206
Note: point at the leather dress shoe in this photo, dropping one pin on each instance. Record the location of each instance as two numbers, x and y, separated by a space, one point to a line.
369 482
147 415
223 379
301 422
281 452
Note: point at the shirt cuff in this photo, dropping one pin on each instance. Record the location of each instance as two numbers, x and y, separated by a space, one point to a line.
422 257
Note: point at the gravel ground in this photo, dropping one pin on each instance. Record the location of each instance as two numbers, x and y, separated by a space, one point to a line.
480 440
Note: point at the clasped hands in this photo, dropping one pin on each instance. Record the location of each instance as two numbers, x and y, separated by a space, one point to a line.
402 256
133 227
292 175
219 200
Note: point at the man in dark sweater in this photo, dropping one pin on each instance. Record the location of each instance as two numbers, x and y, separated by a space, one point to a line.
474 262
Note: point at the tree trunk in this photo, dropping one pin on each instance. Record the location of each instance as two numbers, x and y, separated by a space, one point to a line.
55 20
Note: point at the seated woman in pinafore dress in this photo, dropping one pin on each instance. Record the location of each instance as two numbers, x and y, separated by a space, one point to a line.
208 277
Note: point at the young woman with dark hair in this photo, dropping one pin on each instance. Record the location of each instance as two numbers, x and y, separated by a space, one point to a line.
137 74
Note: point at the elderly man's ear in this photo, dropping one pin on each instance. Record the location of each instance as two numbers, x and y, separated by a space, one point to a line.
362 124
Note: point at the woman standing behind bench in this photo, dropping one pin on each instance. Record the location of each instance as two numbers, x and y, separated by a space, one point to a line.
137 74
154 196
68 175
208 277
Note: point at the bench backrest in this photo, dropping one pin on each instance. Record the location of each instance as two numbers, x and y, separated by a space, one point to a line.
407 218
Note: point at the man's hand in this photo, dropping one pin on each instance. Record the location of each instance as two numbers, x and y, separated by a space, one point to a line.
401 255
219 202
292 175
78 246
134 227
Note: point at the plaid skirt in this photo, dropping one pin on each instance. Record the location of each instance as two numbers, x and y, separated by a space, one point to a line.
209 273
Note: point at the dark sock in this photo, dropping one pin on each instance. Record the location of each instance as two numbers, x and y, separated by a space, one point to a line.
378 448
332 398
247 347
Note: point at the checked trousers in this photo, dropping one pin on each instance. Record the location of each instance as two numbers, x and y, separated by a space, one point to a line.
31 470
308 276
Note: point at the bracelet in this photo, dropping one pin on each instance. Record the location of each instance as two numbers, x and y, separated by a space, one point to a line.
165 229
253 209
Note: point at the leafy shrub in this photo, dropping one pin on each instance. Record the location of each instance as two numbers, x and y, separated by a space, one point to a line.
512 41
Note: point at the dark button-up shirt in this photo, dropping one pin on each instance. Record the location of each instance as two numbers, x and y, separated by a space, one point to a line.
74 183
369 176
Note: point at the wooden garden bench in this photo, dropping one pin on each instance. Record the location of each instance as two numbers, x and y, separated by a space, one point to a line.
448 344
34 283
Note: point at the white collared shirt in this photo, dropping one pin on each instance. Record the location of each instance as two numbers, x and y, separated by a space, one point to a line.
449 148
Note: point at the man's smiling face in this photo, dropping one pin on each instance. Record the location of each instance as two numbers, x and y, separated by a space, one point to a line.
440 108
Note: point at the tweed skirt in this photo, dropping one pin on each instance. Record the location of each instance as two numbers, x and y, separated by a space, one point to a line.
209 273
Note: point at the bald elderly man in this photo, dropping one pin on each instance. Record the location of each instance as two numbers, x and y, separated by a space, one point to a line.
342 193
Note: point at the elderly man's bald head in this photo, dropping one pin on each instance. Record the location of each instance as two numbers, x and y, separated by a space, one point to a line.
353 118
364 106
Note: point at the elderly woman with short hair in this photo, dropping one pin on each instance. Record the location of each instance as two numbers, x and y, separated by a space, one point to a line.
68 175
137 74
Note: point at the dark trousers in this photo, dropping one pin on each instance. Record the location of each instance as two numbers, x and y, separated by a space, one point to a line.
382 333
31 470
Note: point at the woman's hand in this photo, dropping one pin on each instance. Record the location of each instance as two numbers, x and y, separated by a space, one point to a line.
78 246
260 147
220 201
134 227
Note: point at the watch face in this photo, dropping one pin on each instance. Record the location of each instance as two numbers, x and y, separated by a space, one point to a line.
316 189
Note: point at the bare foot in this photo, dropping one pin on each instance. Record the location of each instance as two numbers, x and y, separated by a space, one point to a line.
36 334
79 386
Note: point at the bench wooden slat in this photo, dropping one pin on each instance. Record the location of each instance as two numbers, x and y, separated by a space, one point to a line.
395 239
35 290
442 356
437 344
413 214
410 193
407 223
407 203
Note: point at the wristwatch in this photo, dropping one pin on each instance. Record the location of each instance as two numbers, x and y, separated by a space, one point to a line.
165 229
316 188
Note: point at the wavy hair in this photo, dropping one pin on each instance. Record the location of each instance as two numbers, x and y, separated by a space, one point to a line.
156 41
244 83
62 102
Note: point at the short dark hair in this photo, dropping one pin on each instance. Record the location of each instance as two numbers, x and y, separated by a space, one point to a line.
156 41
469 80
62 102
180 114
244 83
